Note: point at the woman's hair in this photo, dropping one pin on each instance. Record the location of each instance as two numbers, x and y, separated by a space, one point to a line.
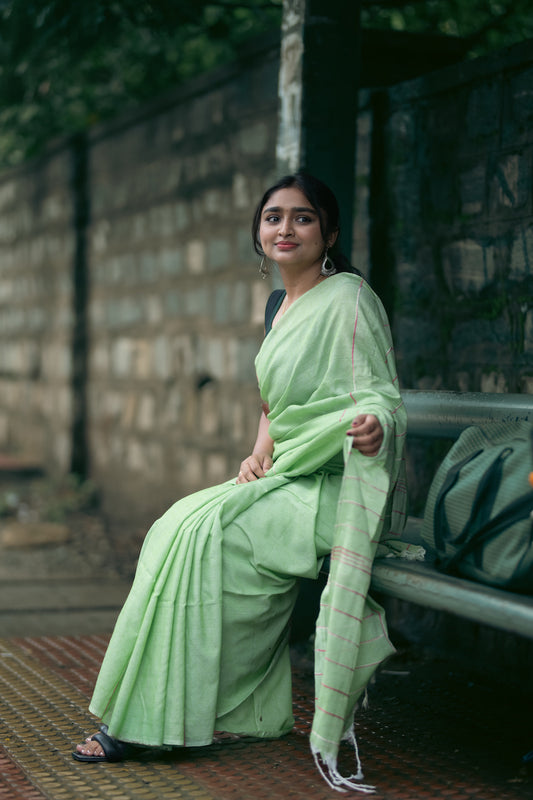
322 199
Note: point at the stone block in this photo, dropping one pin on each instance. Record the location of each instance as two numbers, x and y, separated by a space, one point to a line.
182 217
129 413
402 137
215 358
122 351
15 534
494 381
218 254
521 264
222 303
161 221
195 256
481 121
146 412
241 194
143 360
217 469
171 413
8 193
260 291
510 182
519 117
480 341
148 267
245 249
183 359
174 304
528 332
472 189
124 312
209 410
171 261
154 309
193 470
162 362
468 265
195 301
241 358
526 384
254 140
240 302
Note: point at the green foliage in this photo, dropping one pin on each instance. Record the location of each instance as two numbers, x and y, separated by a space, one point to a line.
485 24
68 64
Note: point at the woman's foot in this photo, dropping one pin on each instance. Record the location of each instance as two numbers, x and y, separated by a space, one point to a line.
90 747
102 747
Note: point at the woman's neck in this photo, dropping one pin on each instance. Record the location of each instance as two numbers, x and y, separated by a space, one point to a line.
299 284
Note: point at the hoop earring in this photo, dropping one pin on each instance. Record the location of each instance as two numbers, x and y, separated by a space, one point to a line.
325 270
263 268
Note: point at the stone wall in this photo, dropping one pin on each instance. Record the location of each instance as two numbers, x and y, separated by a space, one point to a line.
456 226
176 300
131 305
459 154
37 245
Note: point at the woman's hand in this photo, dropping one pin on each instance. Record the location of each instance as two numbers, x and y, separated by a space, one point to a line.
367 434
254 467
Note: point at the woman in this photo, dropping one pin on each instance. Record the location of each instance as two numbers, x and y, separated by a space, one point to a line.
202 642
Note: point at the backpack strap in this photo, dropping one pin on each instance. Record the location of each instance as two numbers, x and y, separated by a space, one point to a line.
272 307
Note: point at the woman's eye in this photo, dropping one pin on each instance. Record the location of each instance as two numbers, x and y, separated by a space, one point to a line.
272 218
304 220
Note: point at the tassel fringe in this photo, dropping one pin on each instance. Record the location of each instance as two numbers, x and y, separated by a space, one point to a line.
327 766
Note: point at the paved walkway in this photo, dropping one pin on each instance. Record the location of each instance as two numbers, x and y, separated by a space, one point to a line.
430 732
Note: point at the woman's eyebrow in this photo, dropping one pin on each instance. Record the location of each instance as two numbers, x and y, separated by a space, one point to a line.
296 209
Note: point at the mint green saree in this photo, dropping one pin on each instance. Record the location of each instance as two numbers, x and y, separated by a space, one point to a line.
202 641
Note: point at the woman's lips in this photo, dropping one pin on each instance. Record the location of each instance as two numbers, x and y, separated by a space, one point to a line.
286 245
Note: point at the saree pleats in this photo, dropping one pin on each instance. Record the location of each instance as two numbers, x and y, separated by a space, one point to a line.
202 640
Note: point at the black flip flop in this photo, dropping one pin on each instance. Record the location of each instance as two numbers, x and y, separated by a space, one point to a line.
114 749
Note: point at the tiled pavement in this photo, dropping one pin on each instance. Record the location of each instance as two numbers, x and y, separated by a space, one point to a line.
431 731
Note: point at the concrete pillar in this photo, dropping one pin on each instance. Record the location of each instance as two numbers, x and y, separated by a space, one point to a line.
318 85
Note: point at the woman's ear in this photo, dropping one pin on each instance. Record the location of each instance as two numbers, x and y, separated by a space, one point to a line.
332 238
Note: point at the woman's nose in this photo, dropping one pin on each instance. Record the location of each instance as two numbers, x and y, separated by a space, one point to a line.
285 227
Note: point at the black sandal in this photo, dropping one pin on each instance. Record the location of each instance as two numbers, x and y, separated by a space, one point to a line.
114 749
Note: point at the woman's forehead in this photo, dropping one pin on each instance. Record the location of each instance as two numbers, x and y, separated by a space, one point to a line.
291 197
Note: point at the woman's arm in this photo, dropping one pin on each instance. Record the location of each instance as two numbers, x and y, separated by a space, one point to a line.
260 461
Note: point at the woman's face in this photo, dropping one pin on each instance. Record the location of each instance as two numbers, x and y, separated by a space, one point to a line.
290 232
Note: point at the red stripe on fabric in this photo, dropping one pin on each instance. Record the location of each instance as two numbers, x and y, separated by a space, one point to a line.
338 664
329 713
340 611
347 588
333 689
354 334
364 508
339 553
366 483
338 636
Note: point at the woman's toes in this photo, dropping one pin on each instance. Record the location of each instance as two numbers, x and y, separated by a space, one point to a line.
90 748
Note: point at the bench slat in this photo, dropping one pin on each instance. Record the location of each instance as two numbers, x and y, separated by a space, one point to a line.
446 414
420 583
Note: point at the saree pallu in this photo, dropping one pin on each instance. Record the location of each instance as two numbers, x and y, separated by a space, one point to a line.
202 641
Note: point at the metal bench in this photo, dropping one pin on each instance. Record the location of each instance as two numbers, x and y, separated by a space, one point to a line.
439 414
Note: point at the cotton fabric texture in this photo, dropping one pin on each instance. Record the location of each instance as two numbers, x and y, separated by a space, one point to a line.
202 641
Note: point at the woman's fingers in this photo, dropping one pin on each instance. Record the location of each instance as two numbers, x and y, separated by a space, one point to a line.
254 467
367 434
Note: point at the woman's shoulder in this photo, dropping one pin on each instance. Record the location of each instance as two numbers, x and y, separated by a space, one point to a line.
350 288
349 284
